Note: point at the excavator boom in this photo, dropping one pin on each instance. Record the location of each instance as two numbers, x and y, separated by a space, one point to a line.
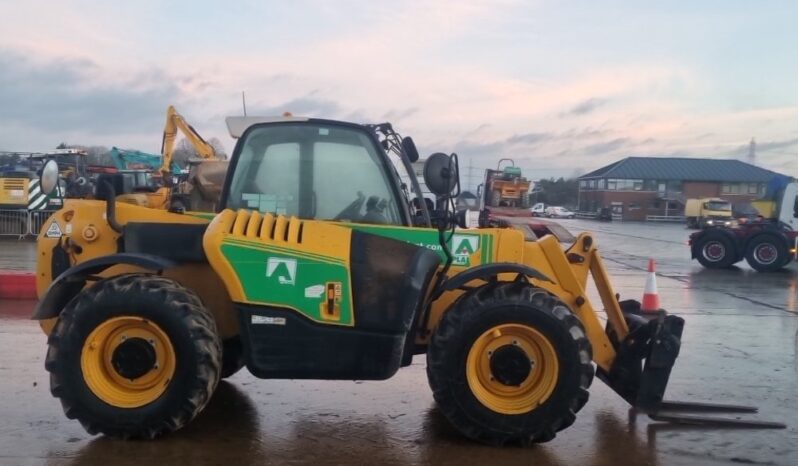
174 123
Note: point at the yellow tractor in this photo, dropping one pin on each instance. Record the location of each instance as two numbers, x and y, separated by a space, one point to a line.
318 266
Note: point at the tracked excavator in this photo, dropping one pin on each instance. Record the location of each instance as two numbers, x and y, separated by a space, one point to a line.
196 190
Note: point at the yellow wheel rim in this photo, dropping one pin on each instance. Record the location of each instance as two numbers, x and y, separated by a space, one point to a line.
102 349
492 390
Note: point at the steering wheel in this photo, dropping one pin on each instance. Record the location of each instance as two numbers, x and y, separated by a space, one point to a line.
352 211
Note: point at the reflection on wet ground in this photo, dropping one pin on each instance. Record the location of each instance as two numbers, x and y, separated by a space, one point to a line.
740 346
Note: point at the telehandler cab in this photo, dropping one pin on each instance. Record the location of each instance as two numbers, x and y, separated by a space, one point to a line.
318 266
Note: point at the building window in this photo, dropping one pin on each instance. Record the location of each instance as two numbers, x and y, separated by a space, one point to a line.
674 186
612 185
649 185
638 186
753 188
583 184
634 206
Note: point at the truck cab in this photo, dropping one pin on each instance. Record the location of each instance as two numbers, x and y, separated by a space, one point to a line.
708 212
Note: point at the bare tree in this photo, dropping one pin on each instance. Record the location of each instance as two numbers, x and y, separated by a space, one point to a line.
183 151
218 147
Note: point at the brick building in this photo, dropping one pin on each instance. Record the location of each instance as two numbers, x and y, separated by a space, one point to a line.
639 187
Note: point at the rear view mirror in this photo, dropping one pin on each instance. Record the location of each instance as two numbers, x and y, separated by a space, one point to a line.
410 150
440 174
49 177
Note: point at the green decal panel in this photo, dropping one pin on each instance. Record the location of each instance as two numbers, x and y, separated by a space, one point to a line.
286 278
462 244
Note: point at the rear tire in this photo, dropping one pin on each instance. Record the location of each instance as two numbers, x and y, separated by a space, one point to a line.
715 251
766 253
478 370
134 356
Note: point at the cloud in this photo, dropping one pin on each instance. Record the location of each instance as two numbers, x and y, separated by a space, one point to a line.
308 105
69 96
607 146
528 138
585 107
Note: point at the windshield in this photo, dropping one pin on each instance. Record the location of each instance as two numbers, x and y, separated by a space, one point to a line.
717 205
314 171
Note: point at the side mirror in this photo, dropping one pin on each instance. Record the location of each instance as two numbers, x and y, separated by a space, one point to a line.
440 174
48 180
409 148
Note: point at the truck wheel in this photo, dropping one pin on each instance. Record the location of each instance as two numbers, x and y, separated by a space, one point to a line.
135 356
714 251
766 253
510 363
232 356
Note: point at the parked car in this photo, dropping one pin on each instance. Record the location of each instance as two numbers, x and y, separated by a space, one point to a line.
559 212
538 210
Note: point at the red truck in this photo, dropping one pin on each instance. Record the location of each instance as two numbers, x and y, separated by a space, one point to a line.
768 243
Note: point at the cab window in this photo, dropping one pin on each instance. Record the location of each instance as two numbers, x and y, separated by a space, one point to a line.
324 172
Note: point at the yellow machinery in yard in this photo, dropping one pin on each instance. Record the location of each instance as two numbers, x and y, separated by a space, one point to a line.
201 187
317 266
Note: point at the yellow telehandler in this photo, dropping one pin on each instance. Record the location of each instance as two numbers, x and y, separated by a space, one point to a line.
319 266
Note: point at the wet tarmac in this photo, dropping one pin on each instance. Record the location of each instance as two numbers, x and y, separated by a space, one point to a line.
17 254
740 346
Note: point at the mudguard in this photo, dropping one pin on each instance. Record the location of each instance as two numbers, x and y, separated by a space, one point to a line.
69 283
486 271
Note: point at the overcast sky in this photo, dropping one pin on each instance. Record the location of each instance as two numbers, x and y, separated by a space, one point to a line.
562 87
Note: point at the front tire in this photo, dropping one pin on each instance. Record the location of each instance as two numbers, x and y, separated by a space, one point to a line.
766 253
510 363
134 356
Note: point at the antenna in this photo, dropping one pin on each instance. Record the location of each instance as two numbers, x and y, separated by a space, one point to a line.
752 152
244 102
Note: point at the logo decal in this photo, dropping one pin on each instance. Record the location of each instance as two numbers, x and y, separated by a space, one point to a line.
283 269
54 231
266 320
314 292
463 247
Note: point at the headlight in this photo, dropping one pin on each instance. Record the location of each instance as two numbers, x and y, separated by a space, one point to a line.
710 222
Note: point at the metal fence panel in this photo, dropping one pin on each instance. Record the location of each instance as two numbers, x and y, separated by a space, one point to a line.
14 223
37 220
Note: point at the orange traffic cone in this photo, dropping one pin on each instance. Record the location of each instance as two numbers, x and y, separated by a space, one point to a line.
650 304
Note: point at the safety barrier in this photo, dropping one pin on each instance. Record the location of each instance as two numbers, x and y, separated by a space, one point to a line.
37 219
21 223
14 223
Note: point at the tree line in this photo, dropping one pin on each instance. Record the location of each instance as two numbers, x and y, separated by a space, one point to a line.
561 191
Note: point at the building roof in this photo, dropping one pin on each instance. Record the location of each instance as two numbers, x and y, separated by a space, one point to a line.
685 169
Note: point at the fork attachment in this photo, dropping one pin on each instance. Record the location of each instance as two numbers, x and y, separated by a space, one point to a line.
643 366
